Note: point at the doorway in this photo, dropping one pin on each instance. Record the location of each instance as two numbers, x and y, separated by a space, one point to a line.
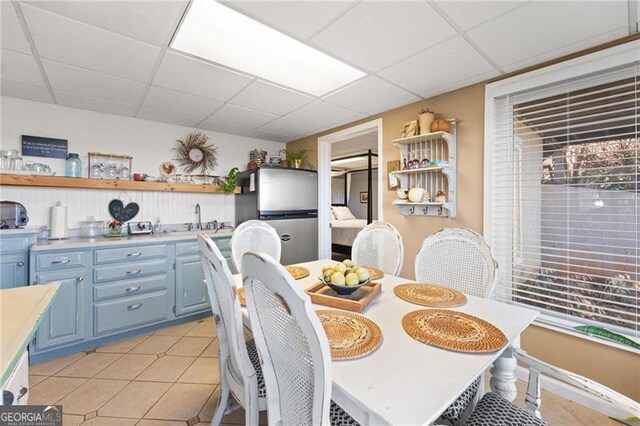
350 145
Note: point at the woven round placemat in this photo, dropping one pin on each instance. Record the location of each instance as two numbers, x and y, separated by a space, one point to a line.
374 273
453 330
242 297
350 335
298 272
431 295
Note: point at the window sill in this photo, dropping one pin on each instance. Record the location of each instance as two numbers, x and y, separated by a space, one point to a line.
563 326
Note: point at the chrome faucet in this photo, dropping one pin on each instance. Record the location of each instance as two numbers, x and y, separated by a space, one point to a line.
199 224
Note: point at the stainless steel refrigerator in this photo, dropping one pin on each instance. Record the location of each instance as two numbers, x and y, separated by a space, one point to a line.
287 199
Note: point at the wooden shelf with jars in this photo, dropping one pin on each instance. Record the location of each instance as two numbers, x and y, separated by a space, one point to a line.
428 161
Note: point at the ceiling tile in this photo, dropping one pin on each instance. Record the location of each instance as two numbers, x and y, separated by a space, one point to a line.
71 42
241 116
230 128
320 114
458 65
20 67
299 18
11 34
266 97
374 35
24 91
270 136
180 102
198 78
93 84
515 40
92 104
371 95
147 113
468 14
290 126
149 21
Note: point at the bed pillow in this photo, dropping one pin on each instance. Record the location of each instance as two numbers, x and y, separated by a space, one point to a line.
343 213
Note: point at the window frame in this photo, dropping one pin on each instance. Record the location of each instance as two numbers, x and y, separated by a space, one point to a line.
591 63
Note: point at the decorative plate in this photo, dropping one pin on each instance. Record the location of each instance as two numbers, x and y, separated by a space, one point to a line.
434 296
350 335
167 168
455 331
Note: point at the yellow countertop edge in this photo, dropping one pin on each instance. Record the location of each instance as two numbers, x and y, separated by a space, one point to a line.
16 347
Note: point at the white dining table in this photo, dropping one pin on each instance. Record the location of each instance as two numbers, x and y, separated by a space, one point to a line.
406 382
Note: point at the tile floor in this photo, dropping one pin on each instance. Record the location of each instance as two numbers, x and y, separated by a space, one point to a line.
171 378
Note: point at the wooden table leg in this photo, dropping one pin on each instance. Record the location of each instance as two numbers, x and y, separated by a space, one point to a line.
503 379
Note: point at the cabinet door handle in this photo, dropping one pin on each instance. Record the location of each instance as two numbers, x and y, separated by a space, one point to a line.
20 264
132 289
23 392
63 260
80 279
134 254
136 272
134 307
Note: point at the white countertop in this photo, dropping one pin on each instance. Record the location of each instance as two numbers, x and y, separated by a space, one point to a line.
81 243
20 231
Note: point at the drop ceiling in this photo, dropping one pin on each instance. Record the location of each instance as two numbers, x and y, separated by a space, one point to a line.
114 56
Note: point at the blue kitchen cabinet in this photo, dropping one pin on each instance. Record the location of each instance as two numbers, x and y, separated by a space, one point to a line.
64 322
191 290
14 259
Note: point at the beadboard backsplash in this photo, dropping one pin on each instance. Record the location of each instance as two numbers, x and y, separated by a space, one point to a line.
82 204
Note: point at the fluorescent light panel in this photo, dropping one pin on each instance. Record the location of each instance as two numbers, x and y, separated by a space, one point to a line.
218 33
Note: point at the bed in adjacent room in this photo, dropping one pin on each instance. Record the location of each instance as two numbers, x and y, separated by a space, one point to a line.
344 229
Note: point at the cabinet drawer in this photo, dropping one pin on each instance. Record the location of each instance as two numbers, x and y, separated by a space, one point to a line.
129 270
129 253
8 244
45 262
129 287
224 244
190 247
132 311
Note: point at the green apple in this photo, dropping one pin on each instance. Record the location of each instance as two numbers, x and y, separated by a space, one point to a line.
363 274
337 278
327 274
352 279
340 267
326 267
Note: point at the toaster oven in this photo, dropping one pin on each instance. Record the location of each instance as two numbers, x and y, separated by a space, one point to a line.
12 215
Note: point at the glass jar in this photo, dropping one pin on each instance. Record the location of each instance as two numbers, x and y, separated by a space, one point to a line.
73 166
92 228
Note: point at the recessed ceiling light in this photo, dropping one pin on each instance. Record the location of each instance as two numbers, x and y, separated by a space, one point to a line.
219 34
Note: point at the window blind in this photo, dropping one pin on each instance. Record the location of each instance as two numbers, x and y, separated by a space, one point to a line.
565 217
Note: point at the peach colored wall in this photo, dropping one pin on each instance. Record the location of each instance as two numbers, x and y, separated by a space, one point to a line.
613 367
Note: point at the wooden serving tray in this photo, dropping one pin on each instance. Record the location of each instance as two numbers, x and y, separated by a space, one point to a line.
357 301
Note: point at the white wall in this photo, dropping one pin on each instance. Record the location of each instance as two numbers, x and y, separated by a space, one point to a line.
149 143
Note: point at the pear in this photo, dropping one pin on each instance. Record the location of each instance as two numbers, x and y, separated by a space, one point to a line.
363 274
352 279
337 278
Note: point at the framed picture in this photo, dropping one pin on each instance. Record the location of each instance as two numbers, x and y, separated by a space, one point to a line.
364 197
275 160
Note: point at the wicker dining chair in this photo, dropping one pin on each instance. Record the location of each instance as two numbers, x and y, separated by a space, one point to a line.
493 410
254 235
379 244
240 372
296 361
457 258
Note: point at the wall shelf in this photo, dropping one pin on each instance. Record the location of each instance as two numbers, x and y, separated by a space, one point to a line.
125 185
439 147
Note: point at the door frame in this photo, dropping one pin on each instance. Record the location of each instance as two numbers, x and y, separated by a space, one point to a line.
324 178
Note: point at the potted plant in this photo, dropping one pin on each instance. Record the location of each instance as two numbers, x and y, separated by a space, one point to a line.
425 118
295 158
230 181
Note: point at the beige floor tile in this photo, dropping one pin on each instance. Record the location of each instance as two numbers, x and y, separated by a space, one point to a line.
177 330
91 396
204 328
213 350
123 346
109 421
190 346
149 422
209 409
155 345
71 419
49 368
166 369
238 418
134 400
52 389
89 365
183 401
203 370
127 367
583 415
34 380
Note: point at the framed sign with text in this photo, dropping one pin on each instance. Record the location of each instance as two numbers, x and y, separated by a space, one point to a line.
37 146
